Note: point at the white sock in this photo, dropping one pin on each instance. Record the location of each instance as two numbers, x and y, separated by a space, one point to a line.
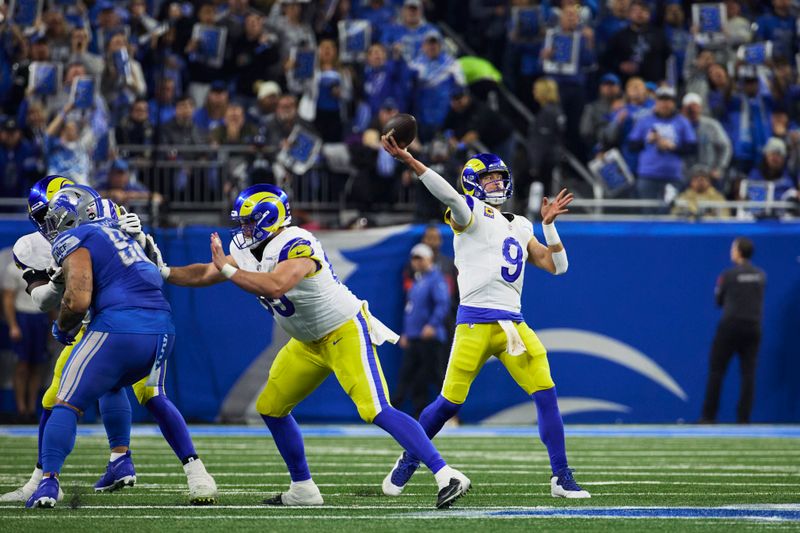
443 476
116 455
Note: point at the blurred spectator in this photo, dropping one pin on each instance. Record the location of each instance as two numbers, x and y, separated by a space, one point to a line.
640 49
748 119
486 30
720 90
79 52
785 88
780 27
789 133
738 29
35 125
256 55
700 190
212 114
714 149
201 72
427 305
107 23
664 137
435 73
120 188
623 119
377 173
383 78
614 20
407 36
161 108
470 121
334 91
121 88
597 115
70 146
266 102
60 101
546 136
279 125
58 35
696 71
234 19
379 14
677 36
773 168
28 329
136 128
571 87
740 293
234 130
141 24
182 129
286 18
19 160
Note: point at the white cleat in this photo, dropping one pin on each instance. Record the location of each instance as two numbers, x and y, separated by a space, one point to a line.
24 493
563 485
302 493
452 486
202 487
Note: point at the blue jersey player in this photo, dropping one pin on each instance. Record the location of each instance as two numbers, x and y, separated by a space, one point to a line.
130 334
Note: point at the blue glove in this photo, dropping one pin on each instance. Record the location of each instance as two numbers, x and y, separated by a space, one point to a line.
64 337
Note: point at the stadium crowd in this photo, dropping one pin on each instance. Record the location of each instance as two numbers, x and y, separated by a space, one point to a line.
691 112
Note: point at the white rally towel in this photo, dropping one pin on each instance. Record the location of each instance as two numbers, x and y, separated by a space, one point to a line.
378 331
514 344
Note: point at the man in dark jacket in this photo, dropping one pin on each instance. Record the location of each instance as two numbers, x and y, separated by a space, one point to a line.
640 49
427 305
740 293
470 120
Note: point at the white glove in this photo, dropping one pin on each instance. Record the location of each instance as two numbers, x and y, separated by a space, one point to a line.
56 274
130 224
153 253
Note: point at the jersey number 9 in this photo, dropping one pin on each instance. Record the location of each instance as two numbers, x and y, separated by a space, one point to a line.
512 253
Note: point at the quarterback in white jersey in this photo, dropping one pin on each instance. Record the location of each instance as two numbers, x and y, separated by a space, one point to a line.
491 249
33 255
331 330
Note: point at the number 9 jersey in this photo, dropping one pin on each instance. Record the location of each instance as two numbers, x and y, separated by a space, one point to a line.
490 255
317 305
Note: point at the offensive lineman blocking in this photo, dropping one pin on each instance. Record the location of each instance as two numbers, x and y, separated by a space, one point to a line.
331 330
491 249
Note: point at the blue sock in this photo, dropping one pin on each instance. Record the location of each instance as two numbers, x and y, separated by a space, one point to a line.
436 415
59 438
289 441
173 427
115 409
411 436
42 423
551 427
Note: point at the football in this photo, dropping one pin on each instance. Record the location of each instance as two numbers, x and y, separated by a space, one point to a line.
403 127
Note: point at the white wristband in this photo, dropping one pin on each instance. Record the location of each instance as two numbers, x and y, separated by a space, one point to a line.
550 234
165 272
228 270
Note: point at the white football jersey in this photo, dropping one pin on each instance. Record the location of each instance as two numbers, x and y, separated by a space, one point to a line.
33 251
317 305
490 256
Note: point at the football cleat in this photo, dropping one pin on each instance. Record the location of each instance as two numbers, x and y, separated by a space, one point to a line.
300 494
119 473
46 495
458 486
395 481
563 485
23 493
202 487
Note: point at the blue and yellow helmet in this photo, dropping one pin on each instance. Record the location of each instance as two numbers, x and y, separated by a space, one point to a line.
477 167
41 194
260 211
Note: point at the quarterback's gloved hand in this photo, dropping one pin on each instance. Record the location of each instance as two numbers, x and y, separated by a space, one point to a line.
64 337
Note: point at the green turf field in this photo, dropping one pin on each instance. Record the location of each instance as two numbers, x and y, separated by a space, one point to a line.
637 484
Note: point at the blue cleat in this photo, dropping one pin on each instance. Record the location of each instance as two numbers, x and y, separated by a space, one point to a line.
119 473
563 485
395 481
46 495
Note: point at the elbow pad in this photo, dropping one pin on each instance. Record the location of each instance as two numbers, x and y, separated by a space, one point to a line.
560 261
47 297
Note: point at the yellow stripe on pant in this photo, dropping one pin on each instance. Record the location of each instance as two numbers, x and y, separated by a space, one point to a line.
143 392
473 344
300 367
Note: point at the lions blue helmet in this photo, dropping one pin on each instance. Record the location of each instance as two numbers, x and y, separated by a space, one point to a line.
260 211
41 194
481 165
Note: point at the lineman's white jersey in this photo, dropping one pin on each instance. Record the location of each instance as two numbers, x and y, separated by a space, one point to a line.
490 255
317 305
